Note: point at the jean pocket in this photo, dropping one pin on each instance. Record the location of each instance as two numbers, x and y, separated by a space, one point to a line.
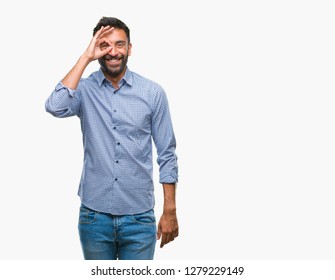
145 218
86 215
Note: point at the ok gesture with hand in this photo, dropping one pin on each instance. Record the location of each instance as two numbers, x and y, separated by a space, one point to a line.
94 51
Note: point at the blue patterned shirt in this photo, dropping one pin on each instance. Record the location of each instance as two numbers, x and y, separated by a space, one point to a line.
118 126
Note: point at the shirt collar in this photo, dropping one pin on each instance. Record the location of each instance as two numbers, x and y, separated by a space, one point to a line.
128 77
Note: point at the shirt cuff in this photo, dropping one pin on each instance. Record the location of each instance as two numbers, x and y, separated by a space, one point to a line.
69 90
169 179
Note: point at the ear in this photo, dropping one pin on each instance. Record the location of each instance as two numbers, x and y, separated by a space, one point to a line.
129 49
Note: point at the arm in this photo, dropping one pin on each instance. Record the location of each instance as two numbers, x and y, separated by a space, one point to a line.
163 136
168 228
65 101
93 52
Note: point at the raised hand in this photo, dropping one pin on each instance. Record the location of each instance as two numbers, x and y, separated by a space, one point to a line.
94 50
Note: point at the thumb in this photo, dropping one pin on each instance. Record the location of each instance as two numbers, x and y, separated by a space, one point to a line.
107 50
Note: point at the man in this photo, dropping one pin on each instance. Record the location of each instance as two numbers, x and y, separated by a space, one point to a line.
120 112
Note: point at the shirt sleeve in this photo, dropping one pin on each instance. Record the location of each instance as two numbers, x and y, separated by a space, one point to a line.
63 102
164 139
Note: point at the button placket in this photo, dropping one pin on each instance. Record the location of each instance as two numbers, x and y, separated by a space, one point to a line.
113 103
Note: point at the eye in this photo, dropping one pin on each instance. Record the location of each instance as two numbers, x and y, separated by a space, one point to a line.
120 44
104 46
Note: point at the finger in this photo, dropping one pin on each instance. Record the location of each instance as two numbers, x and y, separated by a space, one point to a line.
103 30
106 51
104 40
166 238
163 242
159 233
171 238
106 31
98 32
104 46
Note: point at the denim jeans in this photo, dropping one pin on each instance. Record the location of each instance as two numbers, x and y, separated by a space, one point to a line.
108 237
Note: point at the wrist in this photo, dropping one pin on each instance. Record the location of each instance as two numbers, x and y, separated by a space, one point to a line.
169 206
85 59
170 210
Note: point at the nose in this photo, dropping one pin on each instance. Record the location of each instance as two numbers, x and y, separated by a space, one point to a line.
113 51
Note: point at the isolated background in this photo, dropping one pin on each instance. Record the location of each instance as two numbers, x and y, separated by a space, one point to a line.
251 90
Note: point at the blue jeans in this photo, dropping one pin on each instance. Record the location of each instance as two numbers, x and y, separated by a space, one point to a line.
109 237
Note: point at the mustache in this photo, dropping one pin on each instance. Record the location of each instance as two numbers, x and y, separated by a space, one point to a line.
109 57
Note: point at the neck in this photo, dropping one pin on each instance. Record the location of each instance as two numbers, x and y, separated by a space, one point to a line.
114 79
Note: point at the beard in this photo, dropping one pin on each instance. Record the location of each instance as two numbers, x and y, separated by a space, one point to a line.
111 70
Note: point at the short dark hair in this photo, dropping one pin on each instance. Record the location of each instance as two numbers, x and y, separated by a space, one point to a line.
113 22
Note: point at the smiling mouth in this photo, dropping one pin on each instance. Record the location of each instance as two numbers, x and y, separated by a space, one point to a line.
113 61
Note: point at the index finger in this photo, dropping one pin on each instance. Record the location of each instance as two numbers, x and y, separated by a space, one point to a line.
104 30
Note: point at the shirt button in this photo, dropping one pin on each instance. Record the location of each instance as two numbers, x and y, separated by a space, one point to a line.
114 127
118 143
115 179
117 161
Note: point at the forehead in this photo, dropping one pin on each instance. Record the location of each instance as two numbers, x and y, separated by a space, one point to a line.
117 35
